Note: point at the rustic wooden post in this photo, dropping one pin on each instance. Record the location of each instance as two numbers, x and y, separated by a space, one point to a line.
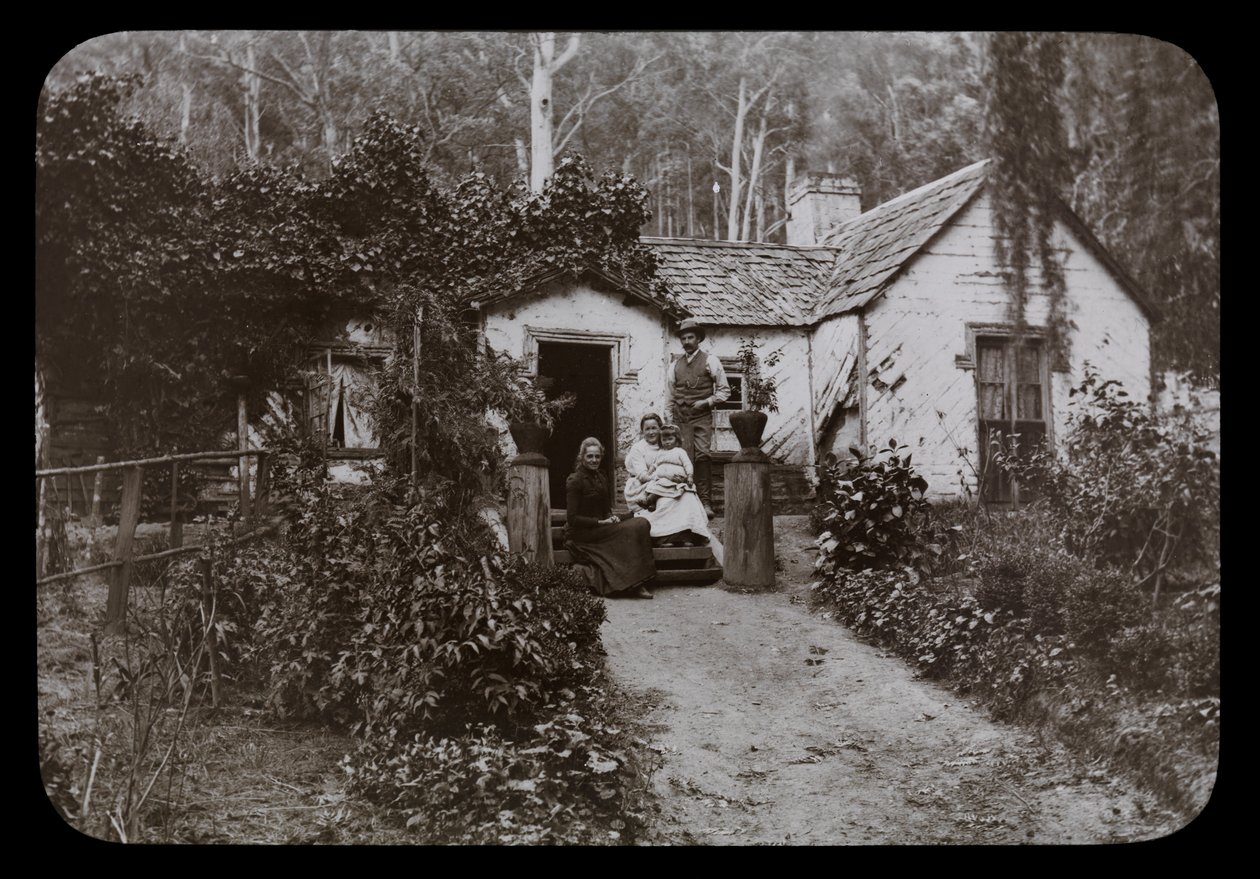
212 638
128 517
262 485
40 538
242 443
98 485
415 402
529 507
177 527
749 541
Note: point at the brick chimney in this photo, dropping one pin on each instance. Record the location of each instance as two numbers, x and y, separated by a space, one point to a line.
817 203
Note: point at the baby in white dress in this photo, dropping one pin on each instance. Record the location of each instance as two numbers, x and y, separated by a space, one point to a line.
672 473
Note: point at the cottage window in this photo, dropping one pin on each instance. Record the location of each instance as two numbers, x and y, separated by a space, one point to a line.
340 382
1013 407
737 399
735 378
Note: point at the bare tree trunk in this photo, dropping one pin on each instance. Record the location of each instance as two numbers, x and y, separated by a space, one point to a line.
253 91
759 229
691 206
186 89
669 196
541 110
660 204
737 142
395 47
329 134
754 174
522 157
789 175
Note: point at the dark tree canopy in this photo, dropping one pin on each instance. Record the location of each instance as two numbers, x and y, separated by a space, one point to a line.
1135 151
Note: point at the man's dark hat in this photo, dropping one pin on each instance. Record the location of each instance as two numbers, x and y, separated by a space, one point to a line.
691 325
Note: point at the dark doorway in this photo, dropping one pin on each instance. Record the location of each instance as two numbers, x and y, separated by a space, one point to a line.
586 372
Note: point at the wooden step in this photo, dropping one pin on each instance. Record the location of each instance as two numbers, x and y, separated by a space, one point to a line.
665 556
559 517
696 576
676 576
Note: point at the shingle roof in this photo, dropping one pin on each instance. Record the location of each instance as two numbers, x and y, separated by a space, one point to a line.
733 283
874 245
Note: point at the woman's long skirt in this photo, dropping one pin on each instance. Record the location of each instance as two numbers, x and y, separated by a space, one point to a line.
675 515
621 554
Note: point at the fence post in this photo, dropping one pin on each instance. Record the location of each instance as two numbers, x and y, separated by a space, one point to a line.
177 526
128 517
415 402
210 610
242 443
262 486
98 484
529 507
41 539
749 542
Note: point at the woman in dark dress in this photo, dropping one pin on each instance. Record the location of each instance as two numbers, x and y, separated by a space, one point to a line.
619 552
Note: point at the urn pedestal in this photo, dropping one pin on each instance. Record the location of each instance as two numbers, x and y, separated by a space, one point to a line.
749 544
529 494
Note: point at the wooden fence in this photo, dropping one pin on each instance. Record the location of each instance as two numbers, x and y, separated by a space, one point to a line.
252 511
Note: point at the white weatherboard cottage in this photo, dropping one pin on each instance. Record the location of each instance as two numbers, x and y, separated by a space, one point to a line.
893 324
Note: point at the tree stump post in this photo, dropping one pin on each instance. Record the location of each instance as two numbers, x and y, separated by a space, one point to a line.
749 543
128 518
242 441
98 485
177 526
529 507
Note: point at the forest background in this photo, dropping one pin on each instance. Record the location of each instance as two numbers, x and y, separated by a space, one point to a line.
717 125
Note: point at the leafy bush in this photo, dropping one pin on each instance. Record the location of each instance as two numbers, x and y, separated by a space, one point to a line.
1135 490
991 654
873 511
393 618
545 783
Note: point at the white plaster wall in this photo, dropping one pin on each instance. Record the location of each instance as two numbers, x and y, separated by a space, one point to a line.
642 351
835 354
646 352
919 325
787 435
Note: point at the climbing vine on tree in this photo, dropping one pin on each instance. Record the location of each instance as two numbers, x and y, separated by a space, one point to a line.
1025 134
156 285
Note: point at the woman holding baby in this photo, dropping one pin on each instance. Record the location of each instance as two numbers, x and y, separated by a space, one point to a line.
660 486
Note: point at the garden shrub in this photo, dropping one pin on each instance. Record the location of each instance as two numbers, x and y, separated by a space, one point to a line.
872 511
990 654
393 618
1135 490
543 783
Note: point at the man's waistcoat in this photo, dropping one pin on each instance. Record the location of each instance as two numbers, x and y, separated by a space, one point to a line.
692 381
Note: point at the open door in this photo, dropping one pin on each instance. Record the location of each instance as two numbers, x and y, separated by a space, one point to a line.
584 370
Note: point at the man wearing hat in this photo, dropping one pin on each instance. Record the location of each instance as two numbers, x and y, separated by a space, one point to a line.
697 384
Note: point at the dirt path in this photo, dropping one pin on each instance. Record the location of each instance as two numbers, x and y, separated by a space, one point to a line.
776 726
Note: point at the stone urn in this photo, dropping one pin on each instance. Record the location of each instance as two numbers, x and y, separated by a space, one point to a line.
748 426
529 436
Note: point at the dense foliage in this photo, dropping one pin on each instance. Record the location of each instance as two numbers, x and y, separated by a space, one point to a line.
1124 128
156 286
1026 139
1134 488
1050 639
471 680
1039 613
872 512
